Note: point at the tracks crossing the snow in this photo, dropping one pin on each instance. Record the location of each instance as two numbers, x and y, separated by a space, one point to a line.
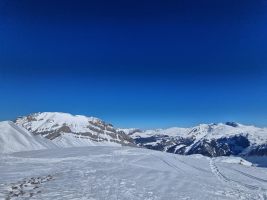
239 187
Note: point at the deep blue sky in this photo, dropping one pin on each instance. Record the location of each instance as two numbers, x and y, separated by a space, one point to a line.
134 63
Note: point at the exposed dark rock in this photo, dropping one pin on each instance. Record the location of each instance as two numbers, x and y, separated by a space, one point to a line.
226 146
260 150
97 130
233 124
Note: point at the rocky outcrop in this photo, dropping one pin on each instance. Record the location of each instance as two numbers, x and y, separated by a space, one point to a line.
62 126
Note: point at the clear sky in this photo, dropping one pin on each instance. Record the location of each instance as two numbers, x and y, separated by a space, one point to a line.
134 63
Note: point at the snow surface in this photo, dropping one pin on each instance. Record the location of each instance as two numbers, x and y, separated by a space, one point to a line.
41 170
71 140
124 173
14 138
236 160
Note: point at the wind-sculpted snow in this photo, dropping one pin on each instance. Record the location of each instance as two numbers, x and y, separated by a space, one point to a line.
124 173
14 138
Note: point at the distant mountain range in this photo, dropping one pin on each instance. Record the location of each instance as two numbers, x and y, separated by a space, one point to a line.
54 130
211 140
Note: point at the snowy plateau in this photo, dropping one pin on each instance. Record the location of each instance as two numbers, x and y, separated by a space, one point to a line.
62 156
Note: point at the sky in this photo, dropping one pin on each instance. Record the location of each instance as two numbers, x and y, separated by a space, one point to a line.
133 63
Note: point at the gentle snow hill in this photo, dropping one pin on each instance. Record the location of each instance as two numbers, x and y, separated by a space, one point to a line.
66 130
124 173
14 138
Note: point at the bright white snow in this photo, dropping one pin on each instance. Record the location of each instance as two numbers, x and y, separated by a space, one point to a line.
121 173
46 121
98 132
14 138
126 173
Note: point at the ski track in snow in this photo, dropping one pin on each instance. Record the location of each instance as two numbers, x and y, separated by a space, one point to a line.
250 176
169 164
192 166
238 186
114 173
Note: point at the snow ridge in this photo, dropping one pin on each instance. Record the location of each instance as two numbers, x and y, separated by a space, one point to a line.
66 130
14 138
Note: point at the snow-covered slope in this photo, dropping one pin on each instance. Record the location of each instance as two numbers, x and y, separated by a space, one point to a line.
14 138
124 173
208 139
68 130
223 139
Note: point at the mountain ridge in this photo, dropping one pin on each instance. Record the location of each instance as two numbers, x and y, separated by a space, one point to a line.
221 139
74 130
14 138
215 139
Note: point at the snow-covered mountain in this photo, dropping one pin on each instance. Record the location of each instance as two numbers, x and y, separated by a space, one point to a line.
107 168
66 130
14 138
221 139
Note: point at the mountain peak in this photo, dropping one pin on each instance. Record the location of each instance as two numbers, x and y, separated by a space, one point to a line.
60 116
233 124
74 129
